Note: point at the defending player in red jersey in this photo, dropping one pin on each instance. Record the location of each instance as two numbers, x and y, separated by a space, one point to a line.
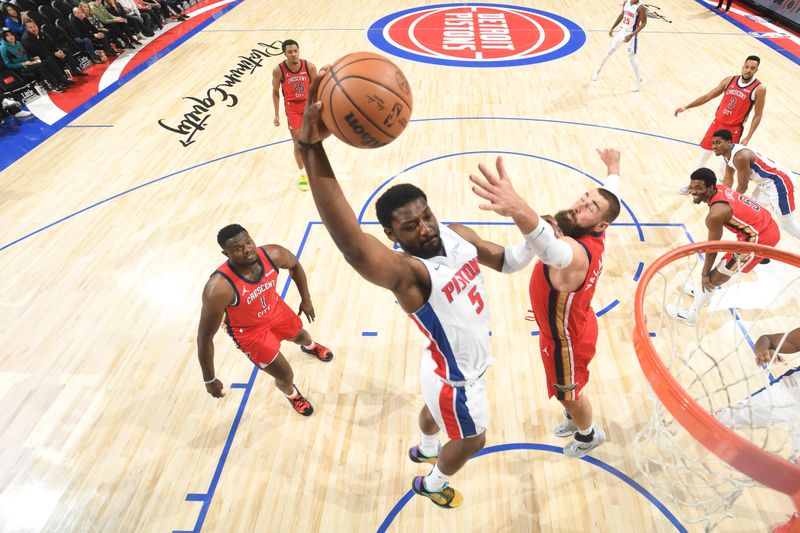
244 290
561 288
732 210
741 94
292 78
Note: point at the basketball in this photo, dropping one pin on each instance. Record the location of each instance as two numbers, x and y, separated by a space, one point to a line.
366 100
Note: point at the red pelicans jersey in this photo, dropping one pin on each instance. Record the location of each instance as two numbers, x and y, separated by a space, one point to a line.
736 101
253 299
749 220
455 319
294 85
566 319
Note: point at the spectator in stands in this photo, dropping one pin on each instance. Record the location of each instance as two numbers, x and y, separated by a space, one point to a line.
88 37
13 21
113 33
727 8
151 10
43 68
117 25
38 44
128 10
172 9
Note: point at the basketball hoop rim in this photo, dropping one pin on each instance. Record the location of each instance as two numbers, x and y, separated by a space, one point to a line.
761 465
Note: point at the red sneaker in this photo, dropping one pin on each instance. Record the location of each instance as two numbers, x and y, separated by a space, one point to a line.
319 351
300 404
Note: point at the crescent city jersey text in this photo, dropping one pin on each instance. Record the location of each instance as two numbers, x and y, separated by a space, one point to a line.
294 85
455 319
737 100
253 299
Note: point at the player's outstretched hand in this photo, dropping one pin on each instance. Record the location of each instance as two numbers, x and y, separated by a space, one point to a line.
680 110
497 190
276 121
307 309
313 129
765 352
611 157
215 389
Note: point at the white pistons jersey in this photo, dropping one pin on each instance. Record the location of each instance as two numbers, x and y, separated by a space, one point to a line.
455 319
630 16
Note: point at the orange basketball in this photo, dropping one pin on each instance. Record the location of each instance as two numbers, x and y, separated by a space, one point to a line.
366 100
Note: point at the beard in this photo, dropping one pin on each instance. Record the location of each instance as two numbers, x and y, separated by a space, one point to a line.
431 248
569 226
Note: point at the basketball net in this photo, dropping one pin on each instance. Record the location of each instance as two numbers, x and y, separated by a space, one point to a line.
708 393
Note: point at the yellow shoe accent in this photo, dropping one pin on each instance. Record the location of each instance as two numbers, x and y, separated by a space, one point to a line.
303 183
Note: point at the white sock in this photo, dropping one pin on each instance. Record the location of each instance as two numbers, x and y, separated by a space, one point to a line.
293 394
789 224
587 431
701 298
311 346
635 66
429 444
704 156
435 481
303 171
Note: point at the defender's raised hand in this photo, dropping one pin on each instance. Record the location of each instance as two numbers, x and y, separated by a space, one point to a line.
497 190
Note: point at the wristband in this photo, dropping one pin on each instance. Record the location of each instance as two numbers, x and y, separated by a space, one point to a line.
304 144
212 380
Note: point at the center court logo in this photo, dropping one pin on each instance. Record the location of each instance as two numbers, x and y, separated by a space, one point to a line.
476 35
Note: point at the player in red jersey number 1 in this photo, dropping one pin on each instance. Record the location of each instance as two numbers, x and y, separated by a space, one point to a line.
243 290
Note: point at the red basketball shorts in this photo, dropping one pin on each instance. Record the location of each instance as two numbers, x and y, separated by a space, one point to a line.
262 344
735 129
566 363
294 114
744 263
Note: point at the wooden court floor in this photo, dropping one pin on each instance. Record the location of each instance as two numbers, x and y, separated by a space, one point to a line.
106 425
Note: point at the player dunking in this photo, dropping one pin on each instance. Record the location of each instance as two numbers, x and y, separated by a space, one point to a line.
634 19
291 78
244 290
437 280
740 95
739 214
774 185
561 288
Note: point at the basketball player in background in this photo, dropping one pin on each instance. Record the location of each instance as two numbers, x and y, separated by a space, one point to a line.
291 78
745 218
244 291
436 279
634 19
740 95
562 286
779 402
774 186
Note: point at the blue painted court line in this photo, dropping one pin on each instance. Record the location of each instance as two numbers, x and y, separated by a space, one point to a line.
248 388
196 497
638 271
534 333
369 333
90 126
384 526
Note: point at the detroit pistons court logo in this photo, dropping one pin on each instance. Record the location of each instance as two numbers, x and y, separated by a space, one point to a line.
476 35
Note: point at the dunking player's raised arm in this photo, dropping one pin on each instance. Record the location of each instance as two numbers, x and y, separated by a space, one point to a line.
374 261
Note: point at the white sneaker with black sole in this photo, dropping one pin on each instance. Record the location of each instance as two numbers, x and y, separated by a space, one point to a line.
684 189
685 315
578 448
566 428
